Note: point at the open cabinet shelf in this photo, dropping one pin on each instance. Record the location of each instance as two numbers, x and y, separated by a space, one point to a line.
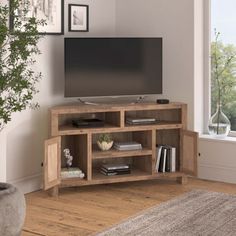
168 129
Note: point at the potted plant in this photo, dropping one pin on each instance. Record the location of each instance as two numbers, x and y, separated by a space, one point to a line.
17 87
105 142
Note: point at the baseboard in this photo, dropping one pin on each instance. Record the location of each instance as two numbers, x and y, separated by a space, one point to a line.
28 184
217 173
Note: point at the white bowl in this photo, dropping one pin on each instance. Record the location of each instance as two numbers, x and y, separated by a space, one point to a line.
104 146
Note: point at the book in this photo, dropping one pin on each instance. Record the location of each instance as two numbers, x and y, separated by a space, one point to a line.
128 148
158 151
111 173
168 159
162 160
140 121
125 146
117 170
115 166
71 173
173 159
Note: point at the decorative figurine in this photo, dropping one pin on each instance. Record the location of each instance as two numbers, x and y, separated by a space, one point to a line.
68 157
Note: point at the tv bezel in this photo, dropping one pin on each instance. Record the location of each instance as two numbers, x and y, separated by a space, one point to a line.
138 96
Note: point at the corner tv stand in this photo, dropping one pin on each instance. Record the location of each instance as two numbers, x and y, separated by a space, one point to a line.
170 129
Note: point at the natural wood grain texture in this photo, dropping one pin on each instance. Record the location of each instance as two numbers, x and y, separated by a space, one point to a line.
171 118
89 156
52 162
73 108
143 137
182 180
54 123
97 154
189 152
154 150
71 130
82 150
113 118
170 137
136 175
161 115
184 116
144 163
173 115
122 119
84 211
53 192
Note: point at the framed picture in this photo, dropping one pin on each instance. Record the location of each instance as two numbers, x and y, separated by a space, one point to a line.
52 11
78 18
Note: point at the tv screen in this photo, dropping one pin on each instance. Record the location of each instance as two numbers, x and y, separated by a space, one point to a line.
112 66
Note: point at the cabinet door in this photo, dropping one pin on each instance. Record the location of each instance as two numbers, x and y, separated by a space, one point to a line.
189 152
52 162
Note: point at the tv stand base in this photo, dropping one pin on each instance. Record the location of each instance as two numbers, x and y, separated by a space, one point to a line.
87 103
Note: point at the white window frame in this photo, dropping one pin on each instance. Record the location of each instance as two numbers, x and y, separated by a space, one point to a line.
207 66
207 62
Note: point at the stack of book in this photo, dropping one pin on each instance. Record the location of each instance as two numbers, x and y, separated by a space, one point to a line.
72 173
166 159
126 146
115 169
139 121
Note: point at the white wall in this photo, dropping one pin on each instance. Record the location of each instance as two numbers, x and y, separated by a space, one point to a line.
26 133
217 161
174 21
199 99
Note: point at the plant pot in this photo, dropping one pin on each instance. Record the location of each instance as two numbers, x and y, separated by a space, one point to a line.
12 210
105 146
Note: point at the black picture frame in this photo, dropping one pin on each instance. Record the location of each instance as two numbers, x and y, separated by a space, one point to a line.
52 13
78 18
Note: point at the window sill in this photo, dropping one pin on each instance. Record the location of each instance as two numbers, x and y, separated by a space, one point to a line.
227 139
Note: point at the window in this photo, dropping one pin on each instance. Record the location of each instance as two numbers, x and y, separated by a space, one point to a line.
223 49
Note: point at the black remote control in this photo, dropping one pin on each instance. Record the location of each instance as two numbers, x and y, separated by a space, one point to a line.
163 101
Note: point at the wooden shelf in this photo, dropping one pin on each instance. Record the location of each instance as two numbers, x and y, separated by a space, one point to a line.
159 125
134 173
69 182
98 178
168 174
113 153
72 130
170 130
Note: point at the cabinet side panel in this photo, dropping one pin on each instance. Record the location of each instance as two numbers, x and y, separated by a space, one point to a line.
52 171
81 145
89 157
54 124
184 116
189 152
52 162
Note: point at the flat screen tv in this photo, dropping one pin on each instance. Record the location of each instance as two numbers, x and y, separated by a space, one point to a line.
113 66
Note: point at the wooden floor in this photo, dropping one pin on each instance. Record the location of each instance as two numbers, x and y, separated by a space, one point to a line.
86 210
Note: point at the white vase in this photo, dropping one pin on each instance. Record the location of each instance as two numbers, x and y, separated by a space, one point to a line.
219 124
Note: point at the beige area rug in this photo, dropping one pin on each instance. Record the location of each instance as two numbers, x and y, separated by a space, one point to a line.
198 212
